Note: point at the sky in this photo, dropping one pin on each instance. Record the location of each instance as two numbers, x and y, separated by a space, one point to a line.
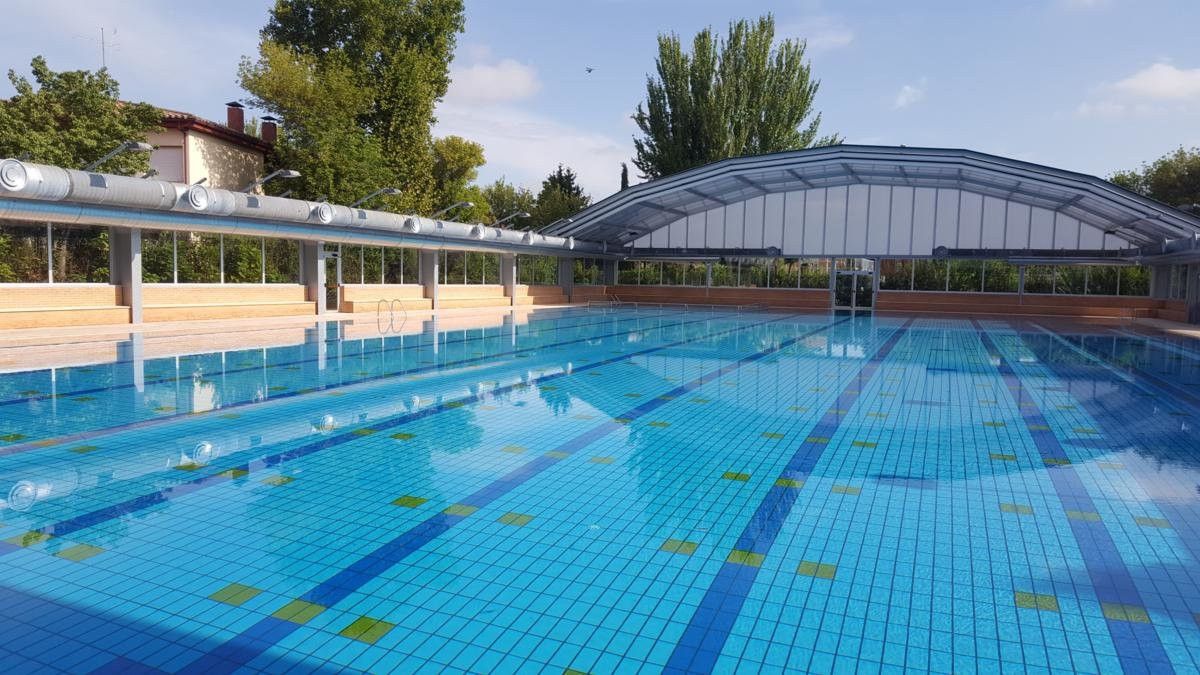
1087 85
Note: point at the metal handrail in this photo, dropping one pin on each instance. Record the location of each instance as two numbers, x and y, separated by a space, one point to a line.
391 306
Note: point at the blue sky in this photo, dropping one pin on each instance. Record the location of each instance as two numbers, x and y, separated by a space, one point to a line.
1089 85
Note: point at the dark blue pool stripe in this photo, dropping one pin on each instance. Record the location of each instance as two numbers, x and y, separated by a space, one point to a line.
161 419
284 364
112 511
705 636
250 643
1138 646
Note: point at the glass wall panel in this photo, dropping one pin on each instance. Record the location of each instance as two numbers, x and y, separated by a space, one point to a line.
243 260
158 257
930 275
966 276
199 258
1135 280
372 258
401 265
283 261
80 254
627 272
999 276
753 273
814 273
786 273
895 275
1070 279
1102 279
588 271
674 274
537 270
724 273
1039 279
23 255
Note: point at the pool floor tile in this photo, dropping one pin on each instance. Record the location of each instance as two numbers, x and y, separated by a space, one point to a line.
366 629
235 594
298 611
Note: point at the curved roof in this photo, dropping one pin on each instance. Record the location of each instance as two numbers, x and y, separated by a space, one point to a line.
632 213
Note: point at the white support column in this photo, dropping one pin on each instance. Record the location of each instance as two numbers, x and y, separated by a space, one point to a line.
610 273
566 276
312 273
508 276
430 265
125 252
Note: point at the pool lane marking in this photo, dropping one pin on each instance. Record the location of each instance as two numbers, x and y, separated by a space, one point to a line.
112 511
1138 645
160 419
283 364
709 628
253 641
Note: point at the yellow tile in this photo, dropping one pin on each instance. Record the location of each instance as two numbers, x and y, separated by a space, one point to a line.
747 558
734 475
772 436
368 630
659 424
572 671
1056 461
1019 509
164 409
79 552
817 390
84 449
583 416
189 466
363 432
557 454
665 397
877 415
815 569
622 420
1002 457
633 394
863 444
453 404
602 460
797 408
789 483
1066 407
403 436
229 416
514 518
235 594
678 546
460 509
987 401
839 411
846 490
1112 466
700 400
1085 430
819 440
45 442
278 480
993 425
298 611
1147 521
1088 516
1038 427
1038 601
234 473
409 501
1118 612
513 449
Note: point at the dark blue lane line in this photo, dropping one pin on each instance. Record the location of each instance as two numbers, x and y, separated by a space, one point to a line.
705 636
284 364
161 419
269 631
1138 646
113 511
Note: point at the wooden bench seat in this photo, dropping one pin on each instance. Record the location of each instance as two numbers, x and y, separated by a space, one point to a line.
53 317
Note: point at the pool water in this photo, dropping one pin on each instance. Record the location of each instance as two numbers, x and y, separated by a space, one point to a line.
612 490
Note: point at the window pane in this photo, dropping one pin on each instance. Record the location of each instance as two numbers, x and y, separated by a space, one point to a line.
1135 280
754 273
372 264
786 273
1068 279
243 260
157 257
895 275
999 277
814 273
283 261
931 275
23 253
966 276
1102 280
199 258
80 254
1039 279
627 272
351 264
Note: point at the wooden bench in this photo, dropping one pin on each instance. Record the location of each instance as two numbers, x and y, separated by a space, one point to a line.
539 295
1020 305
782 298
451 296
55 305
190 302
359 298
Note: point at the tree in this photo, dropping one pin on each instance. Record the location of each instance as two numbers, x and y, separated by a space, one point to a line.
395 54
624 176
504 198
743 95
72 118
1172 179
560 196
456 163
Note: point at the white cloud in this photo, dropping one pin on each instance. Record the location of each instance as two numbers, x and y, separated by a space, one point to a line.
821 32
910 94
1084 4
1158 89
497 82
1162 81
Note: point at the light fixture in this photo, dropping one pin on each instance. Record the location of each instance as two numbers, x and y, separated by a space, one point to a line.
201 181
281 173
380 191
450 208
127 146
150 174
514 214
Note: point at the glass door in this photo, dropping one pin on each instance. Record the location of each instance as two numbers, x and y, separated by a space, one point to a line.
853 290
843 290
864 290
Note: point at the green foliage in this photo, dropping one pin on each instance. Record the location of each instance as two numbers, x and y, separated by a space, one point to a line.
504 198
71 118
745 94
360 79
1172 179
560 196
456 163
624 176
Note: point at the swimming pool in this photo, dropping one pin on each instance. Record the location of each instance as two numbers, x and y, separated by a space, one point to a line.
612 490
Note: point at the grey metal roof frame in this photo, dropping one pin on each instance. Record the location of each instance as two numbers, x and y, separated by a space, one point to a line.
632 213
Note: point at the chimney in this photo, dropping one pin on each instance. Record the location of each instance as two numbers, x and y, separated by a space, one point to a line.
235 116
269 130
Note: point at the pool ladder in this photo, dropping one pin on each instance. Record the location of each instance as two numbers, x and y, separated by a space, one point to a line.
387 308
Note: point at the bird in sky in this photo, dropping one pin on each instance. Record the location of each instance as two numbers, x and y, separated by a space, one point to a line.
589 70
